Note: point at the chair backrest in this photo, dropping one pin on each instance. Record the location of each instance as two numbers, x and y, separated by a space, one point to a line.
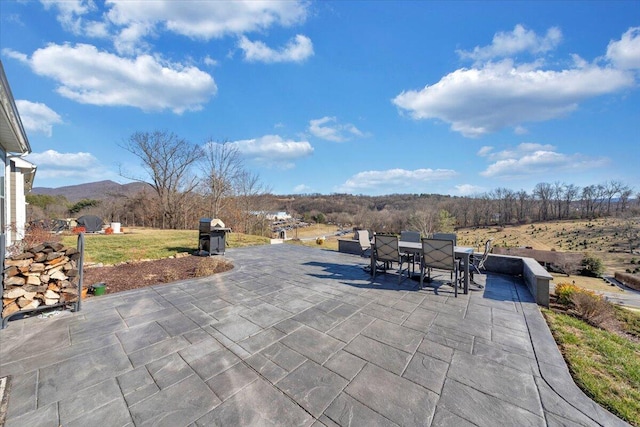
386 246
446 236
485 255
410 236
438 253
363 239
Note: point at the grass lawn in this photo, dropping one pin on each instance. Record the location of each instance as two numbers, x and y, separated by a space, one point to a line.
144 243
604 365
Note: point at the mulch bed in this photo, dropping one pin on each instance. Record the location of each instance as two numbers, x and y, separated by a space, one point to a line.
140 274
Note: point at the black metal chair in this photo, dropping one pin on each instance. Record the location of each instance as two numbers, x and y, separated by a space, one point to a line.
385 250
439 254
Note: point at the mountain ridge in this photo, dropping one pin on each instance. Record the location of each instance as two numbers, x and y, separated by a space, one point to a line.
98 190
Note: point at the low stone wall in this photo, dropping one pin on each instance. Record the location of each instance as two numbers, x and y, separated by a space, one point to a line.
535 276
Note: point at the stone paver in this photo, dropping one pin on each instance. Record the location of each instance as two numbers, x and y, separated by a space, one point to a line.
295 336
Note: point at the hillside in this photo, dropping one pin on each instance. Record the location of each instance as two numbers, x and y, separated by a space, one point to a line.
93 190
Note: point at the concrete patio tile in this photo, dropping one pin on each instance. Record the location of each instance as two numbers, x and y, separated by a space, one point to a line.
169 370
436 350
317 319
516 342
344 310
478 314
133 380
157 351
283 356
427 371
50 339
554 404
90 329
179 404
312 344
236 328
213 363
383 355
397 336
142 336
45 416
265 367
501 354
509 319
138 307
79 404
200 349
485 410
312 386
443 417
261 340
177 324
150 317
287 326
345 364
257 404
266 315
234 379
295 305
451 338
80 372
346 411
23 394
115 413
497 380
406 306
394 397
328 305
383 312
351 327
197 335
211 305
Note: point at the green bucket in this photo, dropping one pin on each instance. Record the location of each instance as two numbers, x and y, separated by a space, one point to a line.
99 289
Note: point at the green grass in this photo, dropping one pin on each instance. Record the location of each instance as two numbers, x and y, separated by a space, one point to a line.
137 244
604 365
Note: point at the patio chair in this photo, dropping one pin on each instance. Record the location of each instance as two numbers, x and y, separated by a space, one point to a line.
439 254
411 236
364 240
447 236
477 262
385 250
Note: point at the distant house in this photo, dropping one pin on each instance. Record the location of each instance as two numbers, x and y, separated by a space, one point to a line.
16 174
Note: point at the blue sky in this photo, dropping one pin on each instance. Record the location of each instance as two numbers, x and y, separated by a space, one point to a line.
362 97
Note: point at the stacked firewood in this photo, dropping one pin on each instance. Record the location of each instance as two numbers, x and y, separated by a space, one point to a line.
43 275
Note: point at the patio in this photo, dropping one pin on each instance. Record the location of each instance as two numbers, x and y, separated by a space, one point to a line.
294 336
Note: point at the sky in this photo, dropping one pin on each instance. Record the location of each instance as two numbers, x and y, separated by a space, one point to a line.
360 97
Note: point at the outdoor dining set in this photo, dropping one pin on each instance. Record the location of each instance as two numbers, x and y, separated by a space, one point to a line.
437 251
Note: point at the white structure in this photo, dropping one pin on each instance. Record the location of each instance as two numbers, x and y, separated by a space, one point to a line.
16 174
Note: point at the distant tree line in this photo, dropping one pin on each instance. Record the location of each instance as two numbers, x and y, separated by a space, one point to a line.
187 182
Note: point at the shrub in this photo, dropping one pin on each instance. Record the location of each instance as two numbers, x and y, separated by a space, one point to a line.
593 309
79 229
592 266
108 230
564 291
206 267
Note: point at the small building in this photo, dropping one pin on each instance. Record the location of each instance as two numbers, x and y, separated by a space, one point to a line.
16 174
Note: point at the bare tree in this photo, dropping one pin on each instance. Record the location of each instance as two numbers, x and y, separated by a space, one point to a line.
222 167
248 189
167 160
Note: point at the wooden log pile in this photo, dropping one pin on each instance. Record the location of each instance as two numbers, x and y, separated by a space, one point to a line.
45 274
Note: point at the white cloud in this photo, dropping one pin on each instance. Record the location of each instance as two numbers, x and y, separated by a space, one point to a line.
535 159
514 42
335 132
37 117
297 49
200 20
300 189
65 168
625 53
89 76
468 189
274 150
478 101
72 16
392 180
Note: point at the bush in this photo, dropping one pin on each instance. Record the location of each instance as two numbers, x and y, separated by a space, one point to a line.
564 292
108 230
79 229
593 309
592 266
